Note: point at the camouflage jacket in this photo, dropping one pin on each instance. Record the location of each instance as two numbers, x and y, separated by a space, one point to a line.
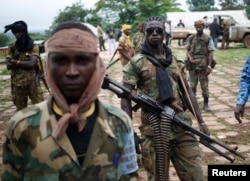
199 49
141 73
138 40
31 153
21 77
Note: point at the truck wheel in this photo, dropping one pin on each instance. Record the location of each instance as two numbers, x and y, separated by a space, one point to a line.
247 41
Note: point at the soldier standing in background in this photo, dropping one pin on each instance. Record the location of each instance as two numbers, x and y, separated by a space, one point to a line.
214 28
100 37
125 46
180 25
225 39
168 32
139 37
111 40
200 49
72 135
23 61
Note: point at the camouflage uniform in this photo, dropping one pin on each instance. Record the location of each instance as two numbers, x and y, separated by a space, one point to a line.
124 44
138 40
225 39
184 149
197 71
23 81
31 153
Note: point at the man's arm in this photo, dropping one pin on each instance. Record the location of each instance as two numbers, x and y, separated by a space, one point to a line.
126 103
195 110
243 93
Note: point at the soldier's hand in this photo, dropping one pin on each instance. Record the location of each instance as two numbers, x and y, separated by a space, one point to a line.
239 112
204 129
138 141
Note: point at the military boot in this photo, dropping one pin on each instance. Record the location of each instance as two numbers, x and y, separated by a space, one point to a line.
206 106
223 44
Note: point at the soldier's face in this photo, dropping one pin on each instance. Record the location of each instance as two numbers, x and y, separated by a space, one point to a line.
72 72
154 32
199 28
18 34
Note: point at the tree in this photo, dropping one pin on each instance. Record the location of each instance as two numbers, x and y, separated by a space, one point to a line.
132 11
4 40
76 12
200 5
232 4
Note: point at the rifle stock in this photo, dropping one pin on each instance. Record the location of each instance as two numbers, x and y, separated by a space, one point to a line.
149 104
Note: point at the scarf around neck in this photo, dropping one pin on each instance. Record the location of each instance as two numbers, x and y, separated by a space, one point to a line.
163 80
77 40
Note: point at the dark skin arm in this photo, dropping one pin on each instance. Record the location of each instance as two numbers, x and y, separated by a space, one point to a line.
16 64
239 112
210 57
126 103
125 54
200 120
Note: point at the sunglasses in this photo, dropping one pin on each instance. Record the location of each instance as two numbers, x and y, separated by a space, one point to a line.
157 30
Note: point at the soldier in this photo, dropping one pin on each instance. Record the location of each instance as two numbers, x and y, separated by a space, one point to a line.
125 46
152 73
72 135
139 37
100 33
225 39
22 60
200 49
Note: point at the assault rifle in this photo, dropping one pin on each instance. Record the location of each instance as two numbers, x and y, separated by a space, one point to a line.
149 104
40 75
111 62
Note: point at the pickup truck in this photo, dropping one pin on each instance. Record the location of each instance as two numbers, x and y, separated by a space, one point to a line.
239 32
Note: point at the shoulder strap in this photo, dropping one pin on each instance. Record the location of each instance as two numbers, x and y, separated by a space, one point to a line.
184 86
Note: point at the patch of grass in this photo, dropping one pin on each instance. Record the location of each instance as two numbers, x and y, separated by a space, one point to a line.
231 55
5 71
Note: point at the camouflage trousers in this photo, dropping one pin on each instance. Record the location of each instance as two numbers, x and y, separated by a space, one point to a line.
196 76
20 95
184 154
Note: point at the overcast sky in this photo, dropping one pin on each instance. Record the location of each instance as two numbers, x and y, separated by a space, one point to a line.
37 13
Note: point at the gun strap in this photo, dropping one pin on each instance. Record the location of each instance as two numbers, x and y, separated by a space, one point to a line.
184 86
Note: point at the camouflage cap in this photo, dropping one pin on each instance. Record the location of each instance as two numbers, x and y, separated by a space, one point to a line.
199 22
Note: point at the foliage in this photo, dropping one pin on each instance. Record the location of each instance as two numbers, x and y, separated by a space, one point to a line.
4 40
37 36
76 12
231 4
116 13
201 5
